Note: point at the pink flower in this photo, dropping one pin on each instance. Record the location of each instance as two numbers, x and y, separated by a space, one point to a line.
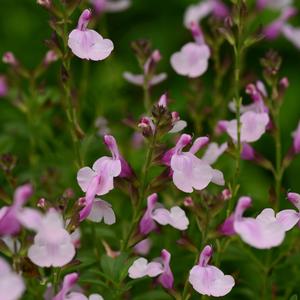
9 220
192 60
101 6
175 217
138 79
147 223
141 268
288 218
273 30
100 179
66 292
209 280
213 152
149 68
253 126
10 59
188 171
262 232
257 93
196 12
178 125
166 278
160 266
3 86
292 34
296 139
248 152
11 284
143 247
52 244
102 210
50 57
156 212
86 43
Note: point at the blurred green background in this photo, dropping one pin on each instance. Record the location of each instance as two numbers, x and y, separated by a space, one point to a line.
49 161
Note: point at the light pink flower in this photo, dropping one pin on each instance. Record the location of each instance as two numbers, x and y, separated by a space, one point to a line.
188 171
52 244
143 247
138 79
148 68
10 59
141 268
9 221
262 232
156 212
288 218
100 179
102 6
160 266
196 12
192 60
296 139
292 34
213 152
67 291
253 126
178 125
273 30
3 86
11 284
102 210
209 280
175 217
147 223
166 278
86 43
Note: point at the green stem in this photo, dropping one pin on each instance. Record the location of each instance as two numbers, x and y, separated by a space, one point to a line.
142 191
147 98
278 172
70 109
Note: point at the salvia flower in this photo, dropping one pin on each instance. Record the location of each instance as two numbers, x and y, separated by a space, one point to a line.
143 247
66 292
147 224
196 12
174 217
87 43
257 91
296 139
188 171
100 179
52 244
10 59
213 152
102 210
262 232
141 268
158 267
209 280
192 59
148 76
253 126
11 284
102 6
288 218
9 215
155 212
280 26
